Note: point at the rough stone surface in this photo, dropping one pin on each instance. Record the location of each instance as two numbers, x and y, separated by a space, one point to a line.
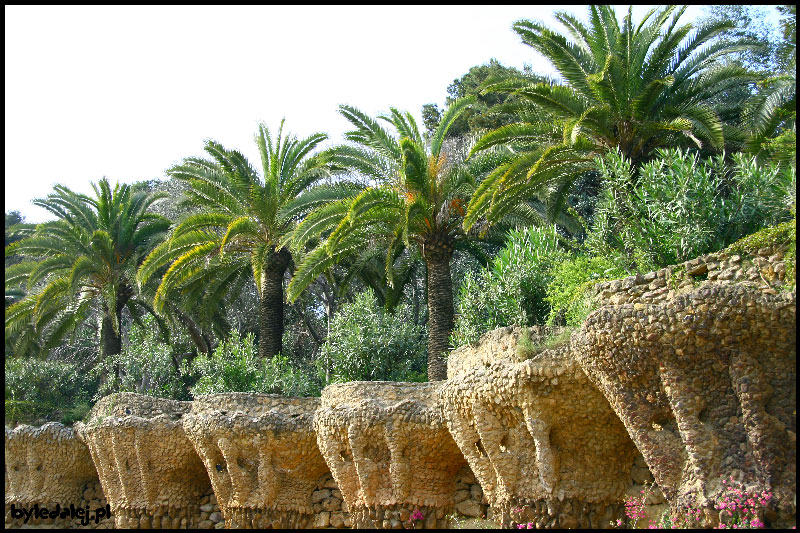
541 439
49 466
696 363
705 384
389 450
147 467
261 454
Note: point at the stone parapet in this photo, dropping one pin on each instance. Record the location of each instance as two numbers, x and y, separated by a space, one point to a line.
149 470
542 441
389 451
260 452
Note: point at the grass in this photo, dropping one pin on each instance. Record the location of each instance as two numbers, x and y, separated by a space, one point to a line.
527 348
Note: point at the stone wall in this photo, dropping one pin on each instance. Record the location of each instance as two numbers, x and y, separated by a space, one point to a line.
542 440
765 268
681 377
389 451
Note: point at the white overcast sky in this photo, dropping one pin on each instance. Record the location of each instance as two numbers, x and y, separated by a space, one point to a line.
125 92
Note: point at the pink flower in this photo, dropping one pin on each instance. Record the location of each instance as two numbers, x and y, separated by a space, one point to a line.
416 515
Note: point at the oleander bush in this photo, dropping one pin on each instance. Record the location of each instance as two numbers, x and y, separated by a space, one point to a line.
513 289
366 343
40 390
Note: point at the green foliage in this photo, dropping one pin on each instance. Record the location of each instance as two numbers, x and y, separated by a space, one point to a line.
487 113
146 365
784 233
87 257
566 294
512 290
635 86
366 343
527 347
42 390
681 206
234 366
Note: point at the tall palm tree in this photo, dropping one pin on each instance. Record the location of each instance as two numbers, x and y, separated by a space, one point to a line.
241 220
632 87
417 200
88 256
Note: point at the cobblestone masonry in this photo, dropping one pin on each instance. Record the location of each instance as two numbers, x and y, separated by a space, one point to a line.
697 361
705 384
47 465
543 442
261 454
389 451
149 470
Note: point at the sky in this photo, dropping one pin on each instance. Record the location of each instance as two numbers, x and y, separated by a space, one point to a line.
126 92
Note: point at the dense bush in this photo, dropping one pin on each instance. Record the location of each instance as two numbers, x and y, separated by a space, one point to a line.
679 206
234 366
38 390
566 293
146 365
512 290
366 343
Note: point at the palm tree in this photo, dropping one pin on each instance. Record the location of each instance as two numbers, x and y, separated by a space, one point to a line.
634 88
241 221
88 256
417 200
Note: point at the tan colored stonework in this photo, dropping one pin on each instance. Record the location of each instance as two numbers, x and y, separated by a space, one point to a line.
705 384
46 466
261 454
541 439
389 451
148 468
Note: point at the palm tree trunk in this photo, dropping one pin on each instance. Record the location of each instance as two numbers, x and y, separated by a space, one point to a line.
111 341
271 304
440 311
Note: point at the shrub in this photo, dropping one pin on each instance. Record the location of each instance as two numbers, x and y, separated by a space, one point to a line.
40 390
680 207
145 365
234 366
365 343
512 290
566 293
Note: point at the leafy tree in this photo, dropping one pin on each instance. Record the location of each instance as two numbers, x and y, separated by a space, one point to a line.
750 22
635 87
483 114
88 256
417 201
242 219
430 117
367 344
12 219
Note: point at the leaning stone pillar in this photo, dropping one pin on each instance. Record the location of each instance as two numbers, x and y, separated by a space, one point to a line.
149 470
260 451
390 452
705 384
542 441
